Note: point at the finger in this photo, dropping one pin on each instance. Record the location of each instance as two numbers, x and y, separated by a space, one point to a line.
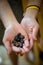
16 49
26 43
8 46
22 52
35 31
26 49
31 44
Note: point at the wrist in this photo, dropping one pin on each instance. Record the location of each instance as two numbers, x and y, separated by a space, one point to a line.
31 13
10 23
12 26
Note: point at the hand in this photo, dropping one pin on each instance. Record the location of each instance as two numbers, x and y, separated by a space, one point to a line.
10 32
31 26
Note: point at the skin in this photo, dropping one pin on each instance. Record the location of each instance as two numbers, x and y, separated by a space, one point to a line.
29 22
12 28
28 27
31 27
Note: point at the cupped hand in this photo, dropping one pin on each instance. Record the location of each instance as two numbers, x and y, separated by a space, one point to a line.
31 27
11 31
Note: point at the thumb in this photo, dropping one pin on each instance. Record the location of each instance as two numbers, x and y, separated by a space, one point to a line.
8 46
35 32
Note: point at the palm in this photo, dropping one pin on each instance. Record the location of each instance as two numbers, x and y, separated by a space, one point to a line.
10 34
31 26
